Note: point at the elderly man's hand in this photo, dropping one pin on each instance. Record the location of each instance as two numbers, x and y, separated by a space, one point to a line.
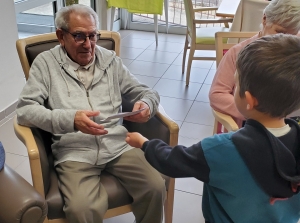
83 123
143 116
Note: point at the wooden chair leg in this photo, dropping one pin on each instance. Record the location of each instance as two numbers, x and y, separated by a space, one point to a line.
189 65
169 203
186 44
156 29
166 5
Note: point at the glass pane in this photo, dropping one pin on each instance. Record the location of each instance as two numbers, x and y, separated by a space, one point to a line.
39 17
46 10
176 12
83 2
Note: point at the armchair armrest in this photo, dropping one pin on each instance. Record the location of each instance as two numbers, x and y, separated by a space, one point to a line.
226 120
24 133
205 21
19 201
203 9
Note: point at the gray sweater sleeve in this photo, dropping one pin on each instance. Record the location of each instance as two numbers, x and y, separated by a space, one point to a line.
133 90
32 108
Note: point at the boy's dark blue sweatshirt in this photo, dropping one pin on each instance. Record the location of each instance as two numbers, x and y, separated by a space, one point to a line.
249 175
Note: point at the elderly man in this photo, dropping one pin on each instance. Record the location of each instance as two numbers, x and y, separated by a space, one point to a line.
70 89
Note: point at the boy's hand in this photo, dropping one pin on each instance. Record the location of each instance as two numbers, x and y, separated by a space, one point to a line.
135 139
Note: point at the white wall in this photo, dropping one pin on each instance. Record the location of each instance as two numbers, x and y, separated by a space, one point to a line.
11 73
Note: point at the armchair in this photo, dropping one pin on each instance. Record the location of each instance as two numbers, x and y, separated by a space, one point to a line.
202 38
38 142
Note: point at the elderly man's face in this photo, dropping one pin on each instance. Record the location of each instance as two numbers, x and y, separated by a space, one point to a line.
81 53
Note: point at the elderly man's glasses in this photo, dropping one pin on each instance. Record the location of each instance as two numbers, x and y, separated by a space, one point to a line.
81 37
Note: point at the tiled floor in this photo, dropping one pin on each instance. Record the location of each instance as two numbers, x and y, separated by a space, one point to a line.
159 68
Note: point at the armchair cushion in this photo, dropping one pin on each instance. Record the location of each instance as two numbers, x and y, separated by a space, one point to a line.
207 35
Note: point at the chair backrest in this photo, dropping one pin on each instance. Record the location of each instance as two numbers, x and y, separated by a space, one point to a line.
248 17
190 16
223 122
222 47
29 48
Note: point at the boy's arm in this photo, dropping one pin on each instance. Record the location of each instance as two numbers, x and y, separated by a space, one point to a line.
178 161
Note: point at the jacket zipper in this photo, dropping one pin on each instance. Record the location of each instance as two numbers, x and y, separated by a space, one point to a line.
98 150
88 97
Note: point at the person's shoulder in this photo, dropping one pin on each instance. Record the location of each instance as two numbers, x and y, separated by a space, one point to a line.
217 140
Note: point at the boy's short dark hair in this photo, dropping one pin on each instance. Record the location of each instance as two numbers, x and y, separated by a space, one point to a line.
269 68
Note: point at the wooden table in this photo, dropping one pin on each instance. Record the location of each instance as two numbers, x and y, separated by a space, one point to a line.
228 8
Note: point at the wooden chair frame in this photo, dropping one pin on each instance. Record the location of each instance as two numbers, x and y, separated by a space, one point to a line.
222 119
190 40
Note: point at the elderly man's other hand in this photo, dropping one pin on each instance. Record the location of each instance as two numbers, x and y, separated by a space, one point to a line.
142 116
83 123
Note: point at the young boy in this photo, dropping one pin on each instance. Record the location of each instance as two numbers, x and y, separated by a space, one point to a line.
251 175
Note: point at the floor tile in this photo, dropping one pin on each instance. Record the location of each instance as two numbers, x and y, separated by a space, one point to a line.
127 62
177 89
207 64
14 160
203 53
130 53
210 76
214 66
203 93
10 141
190 185
148 68
167 47
149 81
157 56
187 208
186 141
136 43
200 113
125 218
24 170
195 131
142 35
176 108
124 32
173 38
197 75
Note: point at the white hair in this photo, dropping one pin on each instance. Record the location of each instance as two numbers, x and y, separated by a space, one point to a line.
63 15
285 13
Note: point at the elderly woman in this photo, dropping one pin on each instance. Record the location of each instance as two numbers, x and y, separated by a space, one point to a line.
280 16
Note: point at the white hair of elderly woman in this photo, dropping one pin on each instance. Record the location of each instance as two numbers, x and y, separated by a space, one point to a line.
285 13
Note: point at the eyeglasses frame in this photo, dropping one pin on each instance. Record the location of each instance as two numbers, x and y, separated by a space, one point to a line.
86 36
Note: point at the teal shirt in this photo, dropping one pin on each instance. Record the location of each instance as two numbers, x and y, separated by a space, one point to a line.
233 195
